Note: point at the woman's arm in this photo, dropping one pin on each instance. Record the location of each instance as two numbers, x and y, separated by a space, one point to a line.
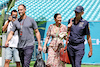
47 38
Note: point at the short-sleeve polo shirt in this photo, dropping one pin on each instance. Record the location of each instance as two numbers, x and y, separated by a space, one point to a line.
78 31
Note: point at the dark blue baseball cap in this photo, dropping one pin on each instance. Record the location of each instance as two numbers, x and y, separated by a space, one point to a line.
79 9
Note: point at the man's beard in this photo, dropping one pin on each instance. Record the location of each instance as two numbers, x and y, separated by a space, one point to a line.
22 15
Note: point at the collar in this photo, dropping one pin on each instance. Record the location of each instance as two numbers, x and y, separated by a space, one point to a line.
78 22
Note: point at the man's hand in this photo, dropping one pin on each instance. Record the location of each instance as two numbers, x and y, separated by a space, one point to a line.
90 54
39 48
38 39
70 24
10 18
90 45
6 44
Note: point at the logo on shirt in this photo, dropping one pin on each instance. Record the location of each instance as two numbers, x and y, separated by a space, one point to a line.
78 7
81 24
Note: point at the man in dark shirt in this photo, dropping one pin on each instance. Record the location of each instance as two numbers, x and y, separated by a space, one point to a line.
79 28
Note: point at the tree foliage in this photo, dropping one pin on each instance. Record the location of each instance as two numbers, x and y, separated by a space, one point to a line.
4 17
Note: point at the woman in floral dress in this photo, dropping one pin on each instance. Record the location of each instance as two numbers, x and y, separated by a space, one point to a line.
56 43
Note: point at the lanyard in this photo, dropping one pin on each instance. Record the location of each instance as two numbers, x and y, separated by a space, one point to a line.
57 31
57 38
21 24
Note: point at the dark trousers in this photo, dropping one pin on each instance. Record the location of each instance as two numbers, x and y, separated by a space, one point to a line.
25 55
76 55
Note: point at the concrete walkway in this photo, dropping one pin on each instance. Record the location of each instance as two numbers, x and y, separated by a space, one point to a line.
0 61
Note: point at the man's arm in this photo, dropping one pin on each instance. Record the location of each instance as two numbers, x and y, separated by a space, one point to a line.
6 25
4 29
70 22
90 45
10 35
38 39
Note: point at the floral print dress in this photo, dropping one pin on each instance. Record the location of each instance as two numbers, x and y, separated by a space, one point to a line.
55 45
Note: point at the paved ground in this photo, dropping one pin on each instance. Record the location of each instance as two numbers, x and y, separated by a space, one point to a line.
0 61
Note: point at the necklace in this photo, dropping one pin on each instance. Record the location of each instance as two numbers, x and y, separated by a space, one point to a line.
57 30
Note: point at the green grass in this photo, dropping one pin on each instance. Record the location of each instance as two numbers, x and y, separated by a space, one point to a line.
67 65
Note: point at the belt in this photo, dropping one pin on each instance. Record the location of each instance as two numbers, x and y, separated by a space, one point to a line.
75 44
11 47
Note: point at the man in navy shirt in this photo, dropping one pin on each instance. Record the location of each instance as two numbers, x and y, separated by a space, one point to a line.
79 28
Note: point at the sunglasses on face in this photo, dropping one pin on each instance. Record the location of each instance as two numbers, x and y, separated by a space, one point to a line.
76 12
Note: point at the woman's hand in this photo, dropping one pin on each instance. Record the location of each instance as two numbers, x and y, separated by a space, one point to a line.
62 48
63 35
44 49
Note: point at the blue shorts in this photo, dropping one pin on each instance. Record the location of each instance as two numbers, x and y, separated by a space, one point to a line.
12 52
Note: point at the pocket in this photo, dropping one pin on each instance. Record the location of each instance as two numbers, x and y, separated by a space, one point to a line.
29 47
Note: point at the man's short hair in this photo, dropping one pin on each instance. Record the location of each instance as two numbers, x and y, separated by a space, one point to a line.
13 11
23 5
